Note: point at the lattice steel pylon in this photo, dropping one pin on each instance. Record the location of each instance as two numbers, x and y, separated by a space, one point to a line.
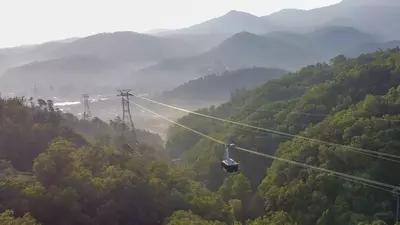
87 115
127 117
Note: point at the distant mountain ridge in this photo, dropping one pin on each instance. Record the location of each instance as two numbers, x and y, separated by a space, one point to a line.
286 50
365 15
101 59
241 50
117 47
376 17
287 39
127 46
64 73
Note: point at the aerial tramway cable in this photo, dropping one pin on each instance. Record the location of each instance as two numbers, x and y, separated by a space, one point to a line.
305 113
360 180
380 155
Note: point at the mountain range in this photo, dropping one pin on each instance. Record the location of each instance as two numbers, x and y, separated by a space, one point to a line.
365 15
286 50
288 39
95 60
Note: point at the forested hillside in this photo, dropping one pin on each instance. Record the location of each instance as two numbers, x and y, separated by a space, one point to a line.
351 101
49 174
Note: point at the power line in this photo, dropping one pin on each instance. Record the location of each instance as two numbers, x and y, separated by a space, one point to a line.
371 183
290 138
380 155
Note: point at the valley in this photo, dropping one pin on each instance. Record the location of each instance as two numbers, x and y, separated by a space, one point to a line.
285 118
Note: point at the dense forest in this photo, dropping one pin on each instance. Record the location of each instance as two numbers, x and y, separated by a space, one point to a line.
350 101
56 169
51 174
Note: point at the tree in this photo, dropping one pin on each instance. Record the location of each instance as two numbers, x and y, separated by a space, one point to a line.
42 103
7 218
50 105
278 218
379 222
188 218
241 188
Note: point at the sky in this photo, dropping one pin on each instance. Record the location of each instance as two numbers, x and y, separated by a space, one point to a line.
35 21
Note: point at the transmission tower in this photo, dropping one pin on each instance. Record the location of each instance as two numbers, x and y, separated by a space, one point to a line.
126 115
87 115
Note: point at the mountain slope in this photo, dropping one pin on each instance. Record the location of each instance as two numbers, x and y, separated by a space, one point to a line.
333 40
126 46
360 97
75 71
118 46
218 88
314 89
377 17
371 47
368 16
93 61
285 50
298 39
18 56
246 49
239 51
203 42
330 41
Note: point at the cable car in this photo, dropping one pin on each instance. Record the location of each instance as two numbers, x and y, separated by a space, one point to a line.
228 164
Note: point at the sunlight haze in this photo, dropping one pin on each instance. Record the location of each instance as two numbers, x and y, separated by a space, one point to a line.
30 22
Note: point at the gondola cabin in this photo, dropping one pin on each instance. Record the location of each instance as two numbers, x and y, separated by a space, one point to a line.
230 166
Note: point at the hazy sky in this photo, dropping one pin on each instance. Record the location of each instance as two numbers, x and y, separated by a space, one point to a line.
35 21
